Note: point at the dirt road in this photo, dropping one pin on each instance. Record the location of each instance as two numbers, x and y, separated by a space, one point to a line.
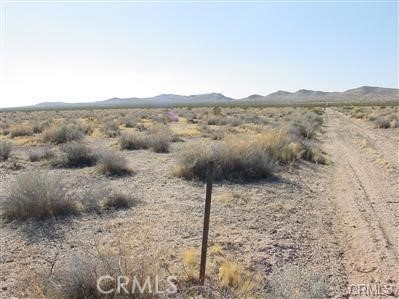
363 191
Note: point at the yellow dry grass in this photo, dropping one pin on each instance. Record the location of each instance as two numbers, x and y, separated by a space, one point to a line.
233 276
27 140
185 130
97 133
376 156
215 250
190 258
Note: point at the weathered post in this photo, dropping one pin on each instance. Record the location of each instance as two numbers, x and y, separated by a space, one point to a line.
209 182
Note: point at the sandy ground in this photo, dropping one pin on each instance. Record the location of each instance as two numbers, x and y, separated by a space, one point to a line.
338 220
364 194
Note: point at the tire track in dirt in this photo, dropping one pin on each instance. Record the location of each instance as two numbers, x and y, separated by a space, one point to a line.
381 139
362 195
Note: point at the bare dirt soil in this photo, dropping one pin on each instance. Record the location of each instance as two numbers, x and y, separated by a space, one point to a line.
364 195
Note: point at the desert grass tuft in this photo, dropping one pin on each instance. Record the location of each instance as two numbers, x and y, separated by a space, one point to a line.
5 150
157 139
62 134
77 155
113 164
37 196
40 154
133 141
235 159
117 201
21 130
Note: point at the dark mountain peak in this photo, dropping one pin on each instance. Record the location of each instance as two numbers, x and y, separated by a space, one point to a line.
215 96
165 95
309 92
113 99
280 93
254 96
363 90
372 91
304 91
44 104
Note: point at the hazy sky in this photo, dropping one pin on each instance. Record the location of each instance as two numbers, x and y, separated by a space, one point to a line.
93 51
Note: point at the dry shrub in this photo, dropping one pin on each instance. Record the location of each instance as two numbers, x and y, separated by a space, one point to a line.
130 121
77 155
159 143
21 130
307 126
40 154
118 201
111 129
62 134
88 199
39 127
191 262
232 276
38 196
280 145
383 121
85 128
224 121
190 258
5 150
4 128
314 153
78 276
214 134
103 199
235 159
224 277
113 164
133 141
158 139
248 156
358 113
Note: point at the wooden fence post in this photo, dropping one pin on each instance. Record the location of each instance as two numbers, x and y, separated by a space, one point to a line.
209 182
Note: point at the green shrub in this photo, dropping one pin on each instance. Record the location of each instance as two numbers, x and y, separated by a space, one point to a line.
217 110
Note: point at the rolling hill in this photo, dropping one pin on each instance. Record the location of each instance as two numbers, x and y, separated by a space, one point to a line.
364 95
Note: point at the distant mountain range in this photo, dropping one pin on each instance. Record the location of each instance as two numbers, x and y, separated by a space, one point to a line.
362 94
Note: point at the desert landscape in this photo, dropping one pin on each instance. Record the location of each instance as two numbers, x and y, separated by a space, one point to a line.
196 149
304 201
